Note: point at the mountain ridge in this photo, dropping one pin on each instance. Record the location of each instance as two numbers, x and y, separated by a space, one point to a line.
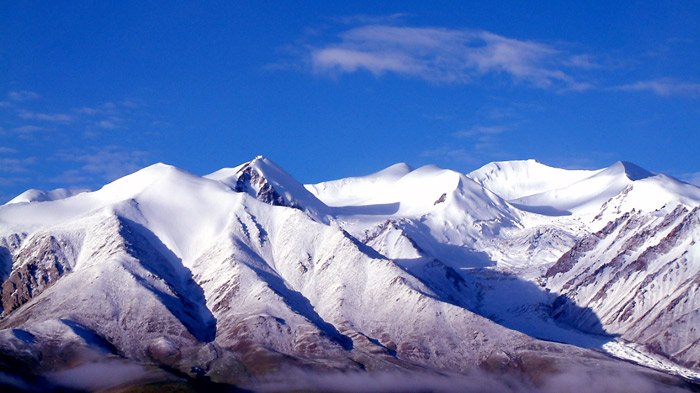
247 269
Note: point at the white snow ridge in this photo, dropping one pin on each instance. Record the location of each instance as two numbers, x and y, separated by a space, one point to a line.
515 277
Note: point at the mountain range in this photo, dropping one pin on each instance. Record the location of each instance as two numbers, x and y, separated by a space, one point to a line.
516 276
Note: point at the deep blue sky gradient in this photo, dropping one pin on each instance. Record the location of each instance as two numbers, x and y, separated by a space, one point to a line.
89 92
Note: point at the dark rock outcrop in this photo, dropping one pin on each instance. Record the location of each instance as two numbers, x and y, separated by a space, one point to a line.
38 266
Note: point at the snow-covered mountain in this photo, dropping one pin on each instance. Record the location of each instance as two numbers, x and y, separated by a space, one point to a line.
636 266
518 179
244 272
34 195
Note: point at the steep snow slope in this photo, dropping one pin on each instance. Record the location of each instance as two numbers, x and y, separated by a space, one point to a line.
641 276
34 195
357 191
518 179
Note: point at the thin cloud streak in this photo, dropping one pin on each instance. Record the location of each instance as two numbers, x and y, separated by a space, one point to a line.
47 117
450 56
82 159
663 87
27 130
480 130
22 95
369 19
99 164
110 123
453 154
16 165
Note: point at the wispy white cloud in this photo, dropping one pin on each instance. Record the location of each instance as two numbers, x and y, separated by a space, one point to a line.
99 164
449 56
479 143
16 165
365 19
109 123
455 154
480 131
9 181
81 161
27 129
584 61
663 87
386 45
92 120
109 108
87 110
22 95
47 117
16 97
483 141
108 116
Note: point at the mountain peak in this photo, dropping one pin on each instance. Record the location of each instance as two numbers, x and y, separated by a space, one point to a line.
521 178
262 160
631 170
394 171
265 164
264 180
253 179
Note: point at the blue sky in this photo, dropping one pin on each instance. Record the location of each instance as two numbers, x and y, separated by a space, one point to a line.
90 92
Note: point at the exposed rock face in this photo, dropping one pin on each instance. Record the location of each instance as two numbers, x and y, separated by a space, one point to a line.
8 246
126 293
567 261
442 199
252 182
38 266
641 276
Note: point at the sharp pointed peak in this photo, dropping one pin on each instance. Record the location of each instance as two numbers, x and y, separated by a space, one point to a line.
266 181
263 163
260 163
260 158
